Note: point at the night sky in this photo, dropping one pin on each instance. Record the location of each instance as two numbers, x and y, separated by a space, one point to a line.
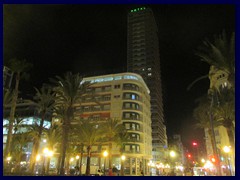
93 38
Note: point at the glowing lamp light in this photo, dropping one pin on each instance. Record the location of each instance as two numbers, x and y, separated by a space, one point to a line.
194 144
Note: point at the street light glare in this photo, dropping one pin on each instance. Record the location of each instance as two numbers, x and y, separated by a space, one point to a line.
172 154
226 149
105 153
123 157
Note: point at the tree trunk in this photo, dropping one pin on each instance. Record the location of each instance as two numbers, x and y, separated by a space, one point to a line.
80 167
59 164
88 161
12 116
48 163
65 130
231 138
110 158
36 146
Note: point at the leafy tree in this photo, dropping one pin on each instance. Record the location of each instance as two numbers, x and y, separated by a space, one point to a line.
18 67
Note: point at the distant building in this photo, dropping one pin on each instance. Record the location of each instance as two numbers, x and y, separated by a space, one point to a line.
177 140
124 97
143 58
26 114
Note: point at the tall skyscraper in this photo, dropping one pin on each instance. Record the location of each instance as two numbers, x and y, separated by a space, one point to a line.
143 58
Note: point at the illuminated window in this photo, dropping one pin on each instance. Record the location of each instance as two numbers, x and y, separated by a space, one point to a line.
149 69
133 96
108 79
149 74
117 77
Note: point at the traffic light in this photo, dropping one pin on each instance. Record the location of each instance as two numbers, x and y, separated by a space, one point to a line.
189 155
194 144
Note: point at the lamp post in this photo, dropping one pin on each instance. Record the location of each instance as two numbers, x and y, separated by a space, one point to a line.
105 154
227 149
122 164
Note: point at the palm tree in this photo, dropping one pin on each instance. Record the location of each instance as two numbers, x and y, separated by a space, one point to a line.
207 119
225 112
111 130
18 67
53 137
202 114
90 134
221 54
45 99
69 91
20 140
122 138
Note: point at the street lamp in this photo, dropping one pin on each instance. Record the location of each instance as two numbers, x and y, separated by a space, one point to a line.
172 155
105 154
122 164
227 150
46 153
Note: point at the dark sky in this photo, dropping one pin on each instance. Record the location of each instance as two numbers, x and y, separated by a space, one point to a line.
93 38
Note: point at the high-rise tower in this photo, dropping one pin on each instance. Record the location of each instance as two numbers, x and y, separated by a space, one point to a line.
143 58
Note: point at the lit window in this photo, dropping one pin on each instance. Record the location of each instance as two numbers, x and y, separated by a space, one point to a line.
149 69
149 74
133 96
108 79
117 77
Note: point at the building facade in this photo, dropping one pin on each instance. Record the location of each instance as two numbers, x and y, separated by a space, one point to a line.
27 115
124 97
143 58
